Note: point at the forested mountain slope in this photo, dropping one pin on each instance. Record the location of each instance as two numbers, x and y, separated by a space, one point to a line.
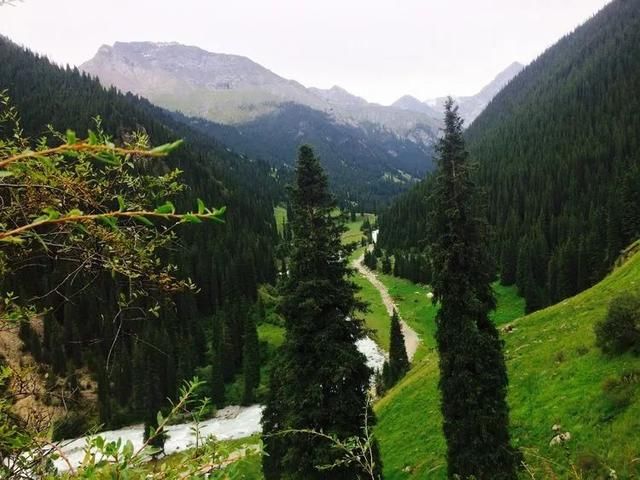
149 357
366 169
558 151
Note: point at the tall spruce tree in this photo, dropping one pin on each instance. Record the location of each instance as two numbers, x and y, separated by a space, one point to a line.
250 359
386 265
398 360
473 377
320 380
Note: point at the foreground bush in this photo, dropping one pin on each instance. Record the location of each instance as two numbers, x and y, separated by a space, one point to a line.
619 332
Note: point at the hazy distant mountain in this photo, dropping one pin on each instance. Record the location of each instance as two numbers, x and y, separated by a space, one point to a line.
409 102
383 148
219 87
470 107
339 96
231 89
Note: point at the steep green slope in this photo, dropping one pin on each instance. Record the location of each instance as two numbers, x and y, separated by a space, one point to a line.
557 376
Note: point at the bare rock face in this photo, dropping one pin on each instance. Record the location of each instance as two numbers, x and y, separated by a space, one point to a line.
409 102
219 87
232 89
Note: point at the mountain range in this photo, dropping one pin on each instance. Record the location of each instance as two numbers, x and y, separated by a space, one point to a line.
371 151
470 107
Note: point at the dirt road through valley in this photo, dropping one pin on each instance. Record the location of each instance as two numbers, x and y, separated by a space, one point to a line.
411 339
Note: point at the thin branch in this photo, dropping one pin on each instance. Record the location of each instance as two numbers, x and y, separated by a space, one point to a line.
116 214
60 452
176 408
80 147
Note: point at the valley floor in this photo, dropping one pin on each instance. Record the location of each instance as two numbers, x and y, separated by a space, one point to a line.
557 376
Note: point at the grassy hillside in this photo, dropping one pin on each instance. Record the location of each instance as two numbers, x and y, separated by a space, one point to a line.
557 376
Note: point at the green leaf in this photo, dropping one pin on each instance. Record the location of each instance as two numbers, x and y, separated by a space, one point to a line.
176 145
75 213
166 148
201 207
159 418
52 213
127 450
190 218
93 138
109 222
166 208
80 227
71 137
144 220
108 158
5 173
71 153
121 205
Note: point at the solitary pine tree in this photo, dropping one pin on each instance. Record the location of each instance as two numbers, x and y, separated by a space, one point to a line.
250 359
217 377
398 360
386 265
320 380
473 377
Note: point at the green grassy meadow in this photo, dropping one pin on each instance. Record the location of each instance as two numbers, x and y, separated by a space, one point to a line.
353 233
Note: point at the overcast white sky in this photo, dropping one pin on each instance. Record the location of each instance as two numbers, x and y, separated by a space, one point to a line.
378 49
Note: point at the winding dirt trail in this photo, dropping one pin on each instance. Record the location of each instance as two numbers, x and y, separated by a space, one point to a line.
411 339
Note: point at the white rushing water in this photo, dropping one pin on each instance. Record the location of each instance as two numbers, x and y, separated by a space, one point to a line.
375 355
229 423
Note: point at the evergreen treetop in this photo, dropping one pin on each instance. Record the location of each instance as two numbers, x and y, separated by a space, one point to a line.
320 381
398 360
473 378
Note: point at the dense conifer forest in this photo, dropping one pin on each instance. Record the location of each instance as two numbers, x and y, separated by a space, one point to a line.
139 362
558 155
